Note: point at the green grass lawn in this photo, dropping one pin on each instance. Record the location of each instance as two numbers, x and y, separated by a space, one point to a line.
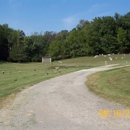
18 76
113 85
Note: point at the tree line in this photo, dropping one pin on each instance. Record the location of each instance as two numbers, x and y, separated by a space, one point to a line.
102 35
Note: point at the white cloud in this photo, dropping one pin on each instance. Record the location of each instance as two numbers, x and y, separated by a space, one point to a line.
70 22
96 10
96 7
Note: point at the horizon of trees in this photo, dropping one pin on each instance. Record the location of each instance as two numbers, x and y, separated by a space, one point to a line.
102 35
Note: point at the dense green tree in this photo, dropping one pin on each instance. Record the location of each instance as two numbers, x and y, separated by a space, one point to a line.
122 39
105 34
17 52
58 48
4 41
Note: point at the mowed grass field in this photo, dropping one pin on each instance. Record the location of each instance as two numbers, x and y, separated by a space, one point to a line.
113 85
17 76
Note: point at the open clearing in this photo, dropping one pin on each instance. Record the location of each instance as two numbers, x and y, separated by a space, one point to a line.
14 77
62 103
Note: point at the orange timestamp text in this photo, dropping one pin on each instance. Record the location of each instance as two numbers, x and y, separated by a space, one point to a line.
114 113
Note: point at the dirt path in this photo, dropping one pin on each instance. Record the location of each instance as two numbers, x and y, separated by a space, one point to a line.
61 103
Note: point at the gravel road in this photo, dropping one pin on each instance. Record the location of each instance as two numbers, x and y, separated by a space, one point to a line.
62 103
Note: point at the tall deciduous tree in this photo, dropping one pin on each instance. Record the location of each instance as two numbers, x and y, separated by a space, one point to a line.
122 39
17 52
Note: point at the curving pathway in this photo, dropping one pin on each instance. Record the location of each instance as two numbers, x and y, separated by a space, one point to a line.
61 103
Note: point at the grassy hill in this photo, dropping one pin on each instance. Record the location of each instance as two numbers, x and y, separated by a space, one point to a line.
16 76
113 85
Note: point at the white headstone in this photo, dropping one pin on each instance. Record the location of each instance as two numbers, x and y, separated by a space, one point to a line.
110 58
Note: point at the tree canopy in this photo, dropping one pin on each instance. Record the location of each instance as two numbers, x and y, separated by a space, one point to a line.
102 35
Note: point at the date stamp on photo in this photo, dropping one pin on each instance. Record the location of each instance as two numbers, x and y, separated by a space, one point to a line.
114 113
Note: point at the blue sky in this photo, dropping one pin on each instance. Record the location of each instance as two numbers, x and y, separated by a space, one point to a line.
56 15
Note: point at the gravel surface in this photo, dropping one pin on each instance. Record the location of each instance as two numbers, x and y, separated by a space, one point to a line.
62 103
